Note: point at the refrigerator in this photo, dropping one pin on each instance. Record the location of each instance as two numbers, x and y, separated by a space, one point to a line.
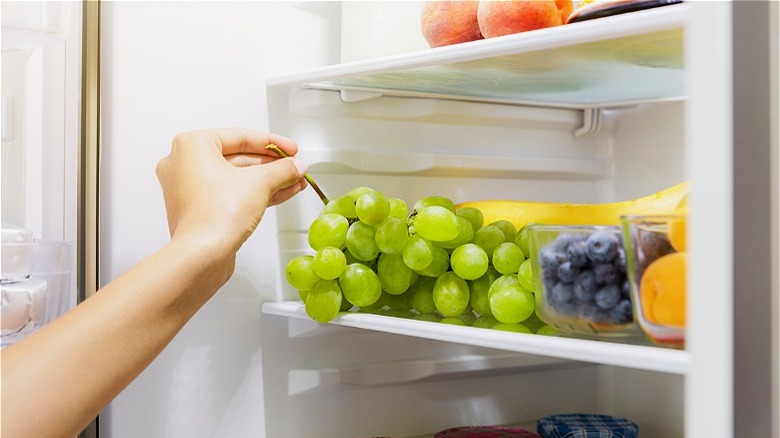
602 110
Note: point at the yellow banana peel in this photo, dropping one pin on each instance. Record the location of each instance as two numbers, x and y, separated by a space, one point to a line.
521 213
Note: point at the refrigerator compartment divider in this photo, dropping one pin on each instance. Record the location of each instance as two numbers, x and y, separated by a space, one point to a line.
644 357
397 372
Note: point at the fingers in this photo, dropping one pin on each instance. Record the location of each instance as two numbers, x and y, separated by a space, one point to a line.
286 193
232 141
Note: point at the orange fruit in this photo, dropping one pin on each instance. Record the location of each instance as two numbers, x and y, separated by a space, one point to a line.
662 290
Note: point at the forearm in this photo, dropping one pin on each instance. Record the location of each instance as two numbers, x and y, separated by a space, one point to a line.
69 370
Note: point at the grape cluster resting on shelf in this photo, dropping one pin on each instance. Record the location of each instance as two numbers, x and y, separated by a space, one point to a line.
434 263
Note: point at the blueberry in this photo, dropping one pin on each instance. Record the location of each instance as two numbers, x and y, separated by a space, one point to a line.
561 298
585 286
578 254
568 273
602 246
620 261
593 313
622 313
605 273
625 288
608 296
562 241
550 258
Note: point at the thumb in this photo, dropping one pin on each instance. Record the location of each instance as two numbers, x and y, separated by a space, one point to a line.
282 178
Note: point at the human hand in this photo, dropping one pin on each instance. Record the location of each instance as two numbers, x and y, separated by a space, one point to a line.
217 184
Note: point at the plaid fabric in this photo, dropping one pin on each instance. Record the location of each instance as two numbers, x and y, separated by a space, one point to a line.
586 426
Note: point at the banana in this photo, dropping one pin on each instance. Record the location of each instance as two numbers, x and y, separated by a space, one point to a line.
521 213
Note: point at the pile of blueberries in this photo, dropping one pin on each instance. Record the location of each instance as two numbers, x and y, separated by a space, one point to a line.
584 276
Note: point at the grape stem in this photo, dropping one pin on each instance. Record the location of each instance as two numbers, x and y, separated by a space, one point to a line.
308 177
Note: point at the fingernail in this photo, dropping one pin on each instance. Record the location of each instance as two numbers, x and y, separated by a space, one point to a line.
301 166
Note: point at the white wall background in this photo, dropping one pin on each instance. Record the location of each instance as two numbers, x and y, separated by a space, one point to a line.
176 66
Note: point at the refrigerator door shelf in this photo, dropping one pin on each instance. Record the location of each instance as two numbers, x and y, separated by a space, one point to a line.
613 61
643 357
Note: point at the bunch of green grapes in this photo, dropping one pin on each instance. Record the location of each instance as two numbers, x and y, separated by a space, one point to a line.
434 262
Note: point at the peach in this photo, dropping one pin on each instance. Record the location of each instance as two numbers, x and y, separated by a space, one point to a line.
497 18
450 22
662 290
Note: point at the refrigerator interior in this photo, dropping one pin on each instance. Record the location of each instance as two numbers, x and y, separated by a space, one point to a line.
584 128
592 112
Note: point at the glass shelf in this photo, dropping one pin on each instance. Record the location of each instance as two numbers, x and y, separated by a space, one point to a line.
614 61
637 354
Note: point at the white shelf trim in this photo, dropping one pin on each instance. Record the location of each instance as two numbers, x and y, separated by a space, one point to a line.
608 353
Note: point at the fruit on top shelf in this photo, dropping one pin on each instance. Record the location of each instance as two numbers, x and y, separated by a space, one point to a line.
521 212
450 22
498 18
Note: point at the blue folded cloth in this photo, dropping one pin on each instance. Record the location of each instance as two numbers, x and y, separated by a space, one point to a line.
586 426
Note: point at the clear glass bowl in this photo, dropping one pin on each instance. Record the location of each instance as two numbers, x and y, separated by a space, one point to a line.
580 278
657 275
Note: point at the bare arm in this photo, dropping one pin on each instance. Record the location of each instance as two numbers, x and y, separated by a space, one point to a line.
216 185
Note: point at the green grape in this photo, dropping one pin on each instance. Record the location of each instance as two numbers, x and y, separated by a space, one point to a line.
329 263
303 294
452 321
378 305
516 328
509 229
417 253
465 234
345 304
392 235
360 285
329 229
533 322
525 275
488 237
422 295
436 224
521 239
512 304
324 301
467 317
547 330
439 264
469 261
300 272
428 201
507 258
393 273
485 321
400 302
343 205
398 208
361 241
395 313
478 291
450 294
503 281
359 191
372 208
428 317
473 215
